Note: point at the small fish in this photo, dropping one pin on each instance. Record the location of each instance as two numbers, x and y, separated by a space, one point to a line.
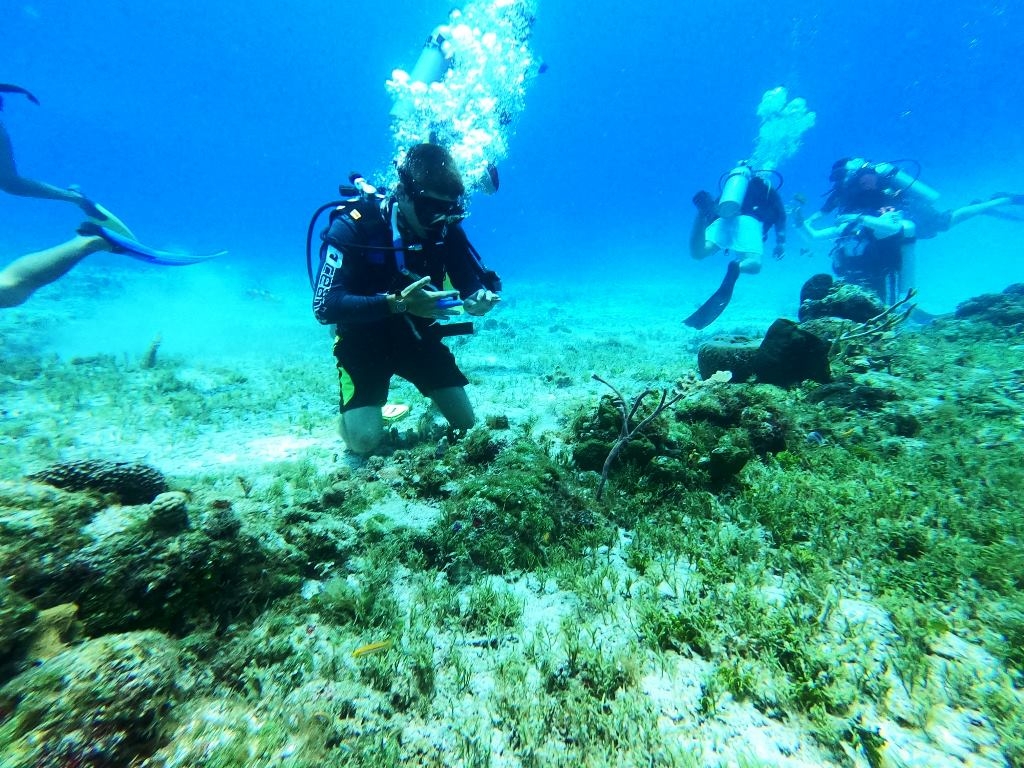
366 650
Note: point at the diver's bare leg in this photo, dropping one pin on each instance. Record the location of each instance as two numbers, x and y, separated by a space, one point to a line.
24 276
13 183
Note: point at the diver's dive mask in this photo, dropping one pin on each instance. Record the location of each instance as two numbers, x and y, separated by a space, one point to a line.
434 212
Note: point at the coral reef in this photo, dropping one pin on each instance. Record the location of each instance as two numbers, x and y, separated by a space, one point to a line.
132 483
17 621
826 574
105 702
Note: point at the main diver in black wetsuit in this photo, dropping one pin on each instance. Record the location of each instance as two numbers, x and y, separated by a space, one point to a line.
382 269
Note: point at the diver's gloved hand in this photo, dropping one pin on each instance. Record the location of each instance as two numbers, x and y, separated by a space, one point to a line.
480 303
780 252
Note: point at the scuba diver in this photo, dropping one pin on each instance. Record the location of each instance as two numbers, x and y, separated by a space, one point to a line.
875 252
383 264
880 211
102 231
738 222
860 186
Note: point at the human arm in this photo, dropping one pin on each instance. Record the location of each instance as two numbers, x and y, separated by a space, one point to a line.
887 224
464 270
809 228
349 286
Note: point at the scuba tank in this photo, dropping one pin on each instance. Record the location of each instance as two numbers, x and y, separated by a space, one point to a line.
734 189
435 59
904 182
360 189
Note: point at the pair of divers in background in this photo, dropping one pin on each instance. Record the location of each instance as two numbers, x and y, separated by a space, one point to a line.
880 211
101 231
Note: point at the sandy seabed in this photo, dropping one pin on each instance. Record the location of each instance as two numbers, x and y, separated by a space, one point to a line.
221 381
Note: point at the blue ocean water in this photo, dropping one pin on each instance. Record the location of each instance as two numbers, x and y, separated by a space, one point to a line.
222 126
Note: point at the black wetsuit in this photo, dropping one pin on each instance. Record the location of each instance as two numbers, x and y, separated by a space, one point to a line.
861 258
358 268
866 191
764 203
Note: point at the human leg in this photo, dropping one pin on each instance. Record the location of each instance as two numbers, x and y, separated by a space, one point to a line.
700 246
906 278
364 376
998 201
14 183
362 429
22 277
749 263
454 405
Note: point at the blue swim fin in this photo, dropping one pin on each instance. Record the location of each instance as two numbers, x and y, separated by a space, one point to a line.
126 245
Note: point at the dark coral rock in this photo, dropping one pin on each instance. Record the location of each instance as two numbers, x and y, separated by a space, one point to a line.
843 300
103 703
132 483
168 512
765 428
1002 309
816 288
727 353
904 424
789 355
725 462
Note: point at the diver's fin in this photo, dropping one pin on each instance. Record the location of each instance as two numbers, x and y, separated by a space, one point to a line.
996 213
101 217
1014 197
717 302
394 411
130 247
10 88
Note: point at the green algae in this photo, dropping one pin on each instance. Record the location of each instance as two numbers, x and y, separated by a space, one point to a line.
816 580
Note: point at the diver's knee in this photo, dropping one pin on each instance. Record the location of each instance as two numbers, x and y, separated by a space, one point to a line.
361 436
709 249
13 293
750 266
